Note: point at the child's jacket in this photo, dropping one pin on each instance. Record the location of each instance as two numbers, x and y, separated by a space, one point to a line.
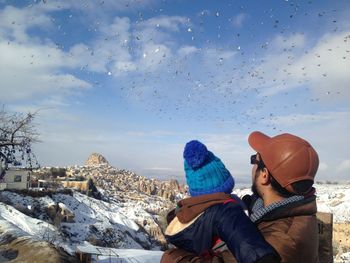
198 221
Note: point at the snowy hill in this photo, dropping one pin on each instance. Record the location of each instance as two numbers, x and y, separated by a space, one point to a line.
334 198
106 224
91 218
116 224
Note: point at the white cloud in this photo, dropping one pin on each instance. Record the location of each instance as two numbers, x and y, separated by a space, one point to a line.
14 22
94 7
214 54
344 166
154 56
32 67
172 23
323 167
187 50
324 68
309 119
239 19
123 47
31 70
111 51
124 66
328 65
42 65
119 47
296 40
159 30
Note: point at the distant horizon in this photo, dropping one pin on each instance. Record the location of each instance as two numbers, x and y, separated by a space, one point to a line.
240 182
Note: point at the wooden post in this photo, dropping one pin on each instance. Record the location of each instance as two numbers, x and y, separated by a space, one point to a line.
325 232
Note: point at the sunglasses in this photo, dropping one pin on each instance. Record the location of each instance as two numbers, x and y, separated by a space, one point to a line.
254 160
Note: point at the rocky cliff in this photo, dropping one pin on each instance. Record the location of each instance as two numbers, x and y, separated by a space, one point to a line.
129 189
96 159
124 182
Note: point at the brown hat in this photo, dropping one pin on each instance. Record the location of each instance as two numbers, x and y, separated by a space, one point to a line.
288 158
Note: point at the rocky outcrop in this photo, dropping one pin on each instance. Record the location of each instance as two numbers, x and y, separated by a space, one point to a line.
127 184
60 213
96 159
78 185
27 250
153 196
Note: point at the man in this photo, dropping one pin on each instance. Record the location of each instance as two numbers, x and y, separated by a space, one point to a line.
283 203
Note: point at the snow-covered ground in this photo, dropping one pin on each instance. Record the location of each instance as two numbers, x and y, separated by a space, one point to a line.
344 258
104 217
91 216
334 198
121 255
120 219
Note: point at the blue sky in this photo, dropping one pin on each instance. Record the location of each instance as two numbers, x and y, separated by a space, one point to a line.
135 80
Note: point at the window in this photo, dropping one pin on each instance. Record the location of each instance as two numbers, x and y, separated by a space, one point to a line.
18 178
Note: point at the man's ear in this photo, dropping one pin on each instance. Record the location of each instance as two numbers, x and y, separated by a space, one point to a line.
265 176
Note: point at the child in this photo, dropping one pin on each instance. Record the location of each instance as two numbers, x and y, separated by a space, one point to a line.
212 220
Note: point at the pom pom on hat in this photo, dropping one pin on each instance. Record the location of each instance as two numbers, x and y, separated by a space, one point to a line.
195 154
205 173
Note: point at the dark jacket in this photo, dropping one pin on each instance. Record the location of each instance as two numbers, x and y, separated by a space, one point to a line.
292 230
199 219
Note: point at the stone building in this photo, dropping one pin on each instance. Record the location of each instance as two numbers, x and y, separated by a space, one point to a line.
15 178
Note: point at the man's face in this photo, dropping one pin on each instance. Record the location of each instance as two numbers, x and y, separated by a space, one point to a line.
255 175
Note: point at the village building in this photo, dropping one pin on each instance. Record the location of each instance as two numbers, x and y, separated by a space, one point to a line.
77 185
15 178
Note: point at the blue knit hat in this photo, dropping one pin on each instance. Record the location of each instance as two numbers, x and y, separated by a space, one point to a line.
205 173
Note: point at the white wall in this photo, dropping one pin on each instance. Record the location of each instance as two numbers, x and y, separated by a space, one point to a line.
10 177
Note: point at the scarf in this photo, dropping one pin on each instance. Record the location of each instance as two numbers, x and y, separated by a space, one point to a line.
259 210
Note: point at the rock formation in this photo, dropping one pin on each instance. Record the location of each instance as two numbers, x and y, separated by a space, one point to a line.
155 197
96 159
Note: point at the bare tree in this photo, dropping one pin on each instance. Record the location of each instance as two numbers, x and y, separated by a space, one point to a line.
17 133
